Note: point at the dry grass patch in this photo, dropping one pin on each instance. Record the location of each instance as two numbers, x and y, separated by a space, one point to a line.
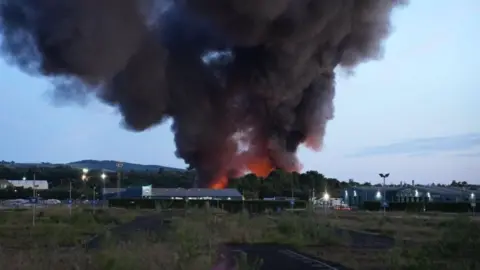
55 226
194 239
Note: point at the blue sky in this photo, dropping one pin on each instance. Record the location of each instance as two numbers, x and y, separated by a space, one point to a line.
414 114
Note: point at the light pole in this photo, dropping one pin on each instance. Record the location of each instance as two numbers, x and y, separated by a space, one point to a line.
292 201
473 203
84 175
119 174
104 177
34 208
84 178
70 198
326 198
94 202
384 176
355 198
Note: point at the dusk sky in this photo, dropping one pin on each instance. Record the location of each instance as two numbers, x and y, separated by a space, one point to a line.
414 114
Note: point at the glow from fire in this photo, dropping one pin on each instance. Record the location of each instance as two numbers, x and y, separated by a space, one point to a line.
255 159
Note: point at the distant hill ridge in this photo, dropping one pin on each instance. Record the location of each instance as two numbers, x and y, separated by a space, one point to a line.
110 165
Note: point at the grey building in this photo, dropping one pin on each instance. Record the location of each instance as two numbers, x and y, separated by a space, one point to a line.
358 195
173 193
196 194
5 184
38 184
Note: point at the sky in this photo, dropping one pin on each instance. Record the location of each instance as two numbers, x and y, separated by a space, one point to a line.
412 114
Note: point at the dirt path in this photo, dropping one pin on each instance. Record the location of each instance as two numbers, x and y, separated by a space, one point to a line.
274 256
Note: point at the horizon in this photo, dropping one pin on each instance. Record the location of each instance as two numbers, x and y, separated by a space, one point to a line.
411 113
387 183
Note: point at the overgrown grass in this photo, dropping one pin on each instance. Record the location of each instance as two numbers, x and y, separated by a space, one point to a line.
457 248
195 241
56 227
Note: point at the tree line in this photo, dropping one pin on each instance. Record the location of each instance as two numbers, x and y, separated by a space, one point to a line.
278 183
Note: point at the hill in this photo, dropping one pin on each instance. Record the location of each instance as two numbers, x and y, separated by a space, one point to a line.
106 165
111 165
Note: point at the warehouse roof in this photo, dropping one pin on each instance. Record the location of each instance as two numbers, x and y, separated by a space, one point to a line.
432 189
195 192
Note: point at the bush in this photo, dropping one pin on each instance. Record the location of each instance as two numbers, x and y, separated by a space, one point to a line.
233 206
455 207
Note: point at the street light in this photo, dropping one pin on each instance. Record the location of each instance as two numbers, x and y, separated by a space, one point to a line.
94 202
119 177
378 195
104 177
355 198
384 177
34 197
326 197
70 202
473 202
84 175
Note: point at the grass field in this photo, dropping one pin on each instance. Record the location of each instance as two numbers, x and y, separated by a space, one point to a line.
434 241
426 241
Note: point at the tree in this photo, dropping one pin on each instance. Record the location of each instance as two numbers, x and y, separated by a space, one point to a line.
277 183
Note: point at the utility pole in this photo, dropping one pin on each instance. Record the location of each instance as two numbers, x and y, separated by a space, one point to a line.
313 198
70 198
94 202
326 199
34 200
119 176
104 178
292 202
384 202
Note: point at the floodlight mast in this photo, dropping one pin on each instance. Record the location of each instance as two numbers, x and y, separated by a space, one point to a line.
384 177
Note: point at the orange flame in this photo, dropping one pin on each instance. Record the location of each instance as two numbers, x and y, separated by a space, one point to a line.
257 161
260 166
219 183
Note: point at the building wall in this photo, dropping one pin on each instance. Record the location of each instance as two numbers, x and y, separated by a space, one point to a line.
360 194
408 194
39 184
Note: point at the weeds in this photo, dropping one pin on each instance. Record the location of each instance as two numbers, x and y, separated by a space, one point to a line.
456 249
195 240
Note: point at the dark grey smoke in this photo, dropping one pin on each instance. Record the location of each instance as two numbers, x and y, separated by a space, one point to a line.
216 67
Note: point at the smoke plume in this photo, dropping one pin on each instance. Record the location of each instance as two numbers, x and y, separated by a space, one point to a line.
245 81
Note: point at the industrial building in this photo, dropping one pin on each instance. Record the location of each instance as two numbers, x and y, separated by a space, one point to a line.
4 184
358 195
39 184
173 193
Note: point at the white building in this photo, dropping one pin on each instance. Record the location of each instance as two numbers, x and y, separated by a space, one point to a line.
39 184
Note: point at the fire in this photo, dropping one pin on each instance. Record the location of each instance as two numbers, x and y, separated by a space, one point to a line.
260 166
257 161
219 183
